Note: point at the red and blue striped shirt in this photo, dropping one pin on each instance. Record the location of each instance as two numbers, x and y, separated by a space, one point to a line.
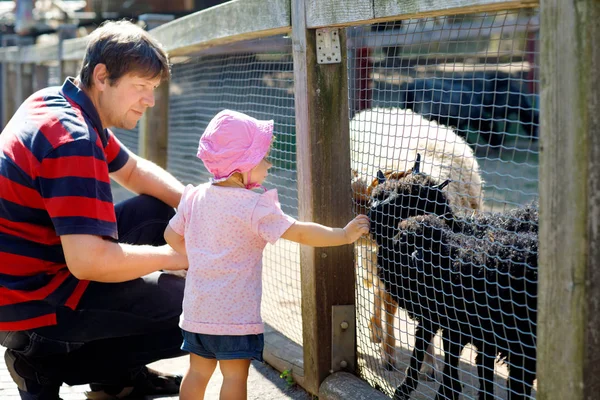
55 159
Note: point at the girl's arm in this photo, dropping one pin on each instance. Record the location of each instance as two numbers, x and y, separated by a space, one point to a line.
175 240
316 235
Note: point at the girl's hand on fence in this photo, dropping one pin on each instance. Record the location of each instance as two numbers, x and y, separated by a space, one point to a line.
356 228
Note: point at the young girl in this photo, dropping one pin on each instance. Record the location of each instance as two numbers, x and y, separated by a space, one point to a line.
223 226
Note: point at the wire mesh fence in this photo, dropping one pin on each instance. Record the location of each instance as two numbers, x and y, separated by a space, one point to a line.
446 109
261 85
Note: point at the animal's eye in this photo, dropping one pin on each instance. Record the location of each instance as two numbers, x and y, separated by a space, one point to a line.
380 195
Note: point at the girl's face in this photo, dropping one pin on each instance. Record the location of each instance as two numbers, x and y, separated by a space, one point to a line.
260 172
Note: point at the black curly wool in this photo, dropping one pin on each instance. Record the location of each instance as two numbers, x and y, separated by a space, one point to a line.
475 278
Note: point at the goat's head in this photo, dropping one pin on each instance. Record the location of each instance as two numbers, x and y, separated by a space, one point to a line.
362 193
395 200
421 238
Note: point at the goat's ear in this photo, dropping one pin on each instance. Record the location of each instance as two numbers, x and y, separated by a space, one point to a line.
380 177
443 184
417 166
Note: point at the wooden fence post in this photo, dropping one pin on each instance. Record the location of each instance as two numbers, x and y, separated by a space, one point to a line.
9 88
569 281
4 117
40 76
154 126
26 84
65 68
323 157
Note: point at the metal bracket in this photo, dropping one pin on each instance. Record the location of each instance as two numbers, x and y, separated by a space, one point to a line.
328 46
343 338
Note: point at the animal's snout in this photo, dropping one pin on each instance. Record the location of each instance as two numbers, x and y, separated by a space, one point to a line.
374 216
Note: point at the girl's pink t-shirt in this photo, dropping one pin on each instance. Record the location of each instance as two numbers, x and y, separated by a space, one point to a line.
226 230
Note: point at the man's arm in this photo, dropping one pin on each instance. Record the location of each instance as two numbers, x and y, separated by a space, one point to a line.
93 258
144 177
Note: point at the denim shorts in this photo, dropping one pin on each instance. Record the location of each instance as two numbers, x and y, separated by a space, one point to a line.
224 347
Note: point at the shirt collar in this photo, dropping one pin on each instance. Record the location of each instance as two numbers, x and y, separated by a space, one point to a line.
70 90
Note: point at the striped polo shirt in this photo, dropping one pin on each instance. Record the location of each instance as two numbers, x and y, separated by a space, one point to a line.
55 159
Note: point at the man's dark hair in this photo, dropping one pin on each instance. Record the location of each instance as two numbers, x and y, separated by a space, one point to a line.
124 48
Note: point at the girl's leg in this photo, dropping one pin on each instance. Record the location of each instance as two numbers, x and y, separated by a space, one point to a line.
235 378
196 379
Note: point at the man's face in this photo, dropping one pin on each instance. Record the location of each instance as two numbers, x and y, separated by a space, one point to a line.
123 104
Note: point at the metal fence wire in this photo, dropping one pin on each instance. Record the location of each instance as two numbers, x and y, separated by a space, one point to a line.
444 152
260 84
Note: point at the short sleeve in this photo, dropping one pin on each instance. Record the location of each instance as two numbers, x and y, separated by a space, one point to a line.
74 183
116 152
268 220
177 223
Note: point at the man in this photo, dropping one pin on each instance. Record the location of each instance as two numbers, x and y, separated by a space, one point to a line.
81 298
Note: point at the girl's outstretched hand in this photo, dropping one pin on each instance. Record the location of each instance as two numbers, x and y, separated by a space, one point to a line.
356 228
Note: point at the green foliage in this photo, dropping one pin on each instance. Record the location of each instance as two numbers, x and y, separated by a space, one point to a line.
289 379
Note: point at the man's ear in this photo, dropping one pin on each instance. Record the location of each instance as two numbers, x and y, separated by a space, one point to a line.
100 77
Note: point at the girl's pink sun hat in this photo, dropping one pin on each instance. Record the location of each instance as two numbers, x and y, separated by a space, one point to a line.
234 142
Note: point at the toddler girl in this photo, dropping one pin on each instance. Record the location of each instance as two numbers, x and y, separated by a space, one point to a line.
223 227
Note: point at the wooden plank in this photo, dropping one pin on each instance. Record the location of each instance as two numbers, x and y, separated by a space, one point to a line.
10 55
413 34
230 22
337 12
47 53
427 8
350 13
342 386
74 49
284 355
271 44
29 54
569 281
154 128
324 194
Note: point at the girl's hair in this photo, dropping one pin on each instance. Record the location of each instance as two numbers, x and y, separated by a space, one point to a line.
124 48
239 176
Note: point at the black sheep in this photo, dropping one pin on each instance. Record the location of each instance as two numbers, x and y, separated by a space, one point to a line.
485 284
480 288
395 200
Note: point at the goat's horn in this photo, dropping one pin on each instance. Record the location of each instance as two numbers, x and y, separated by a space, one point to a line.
380 177
415 169
443 184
